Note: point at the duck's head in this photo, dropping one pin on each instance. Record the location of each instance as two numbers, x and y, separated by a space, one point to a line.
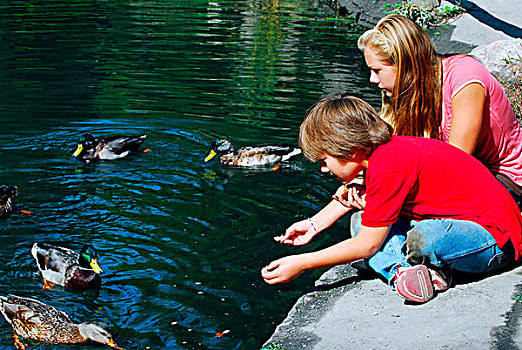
86 143
97 332
89 258
220 146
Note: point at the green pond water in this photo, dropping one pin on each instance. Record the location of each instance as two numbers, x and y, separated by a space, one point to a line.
181 242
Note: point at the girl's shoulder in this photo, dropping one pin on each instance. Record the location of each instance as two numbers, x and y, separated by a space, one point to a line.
463 62
460 68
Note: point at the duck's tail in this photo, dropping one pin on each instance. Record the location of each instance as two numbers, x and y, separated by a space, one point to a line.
295 152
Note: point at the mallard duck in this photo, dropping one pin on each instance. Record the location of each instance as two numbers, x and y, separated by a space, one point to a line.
7 195
33 319
67 268
250 156
109 148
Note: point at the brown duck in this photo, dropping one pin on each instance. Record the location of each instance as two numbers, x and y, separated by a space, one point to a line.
33 319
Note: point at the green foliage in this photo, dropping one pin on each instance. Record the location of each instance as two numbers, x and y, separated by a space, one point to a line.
427 18
272 346
513 88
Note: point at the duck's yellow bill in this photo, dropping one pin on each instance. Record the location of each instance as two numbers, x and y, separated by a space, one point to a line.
210 155
95 266
78 150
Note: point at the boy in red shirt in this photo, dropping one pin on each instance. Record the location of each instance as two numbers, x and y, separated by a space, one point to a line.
428 206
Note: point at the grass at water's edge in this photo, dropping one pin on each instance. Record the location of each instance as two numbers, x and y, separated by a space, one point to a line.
272 346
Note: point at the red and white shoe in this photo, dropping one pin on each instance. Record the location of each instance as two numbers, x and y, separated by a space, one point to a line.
418 283
414 283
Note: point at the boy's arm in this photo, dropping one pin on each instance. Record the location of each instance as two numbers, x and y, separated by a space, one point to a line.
364 245
302 232
326 217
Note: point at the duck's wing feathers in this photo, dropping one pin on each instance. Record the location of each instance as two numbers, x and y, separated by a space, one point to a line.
30 310
54 262
264 155
122 144
33 319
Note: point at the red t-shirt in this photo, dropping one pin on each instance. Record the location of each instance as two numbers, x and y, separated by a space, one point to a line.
421 178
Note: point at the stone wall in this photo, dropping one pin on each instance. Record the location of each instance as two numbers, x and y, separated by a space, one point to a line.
366 12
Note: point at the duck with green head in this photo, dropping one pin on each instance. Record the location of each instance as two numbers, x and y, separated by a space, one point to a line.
67 268
33 319
251 156
108 148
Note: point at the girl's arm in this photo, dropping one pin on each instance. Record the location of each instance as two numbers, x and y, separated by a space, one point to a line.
466 108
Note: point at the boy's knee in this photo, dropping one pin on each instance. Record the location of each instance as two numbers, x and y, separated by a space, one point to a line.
415 245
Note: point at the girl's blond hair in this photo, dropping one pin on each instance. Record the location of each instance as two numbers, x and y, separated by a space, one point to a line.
414 107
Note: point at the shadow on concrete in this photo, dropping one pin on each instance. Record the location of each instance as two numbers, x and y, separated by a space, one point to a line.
466 278
488 19
362 274
441 38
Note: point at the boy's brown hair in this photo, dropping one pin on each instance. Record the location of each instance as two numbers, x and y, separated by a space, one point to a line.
337 125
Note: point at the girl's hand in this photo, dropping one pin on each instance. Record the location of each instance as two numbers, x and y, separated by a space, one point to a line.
300 233
283 270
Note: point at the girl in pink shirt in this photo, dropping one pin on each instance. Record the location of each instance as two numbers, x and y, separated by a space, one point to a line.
454 99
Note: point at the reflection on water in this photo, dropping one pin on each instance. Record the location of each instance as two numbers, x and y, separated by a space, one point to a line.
181 242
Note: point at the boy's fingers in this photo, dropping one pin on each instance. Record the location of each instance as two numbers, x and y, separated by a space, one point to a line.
271 281
267 269
270 273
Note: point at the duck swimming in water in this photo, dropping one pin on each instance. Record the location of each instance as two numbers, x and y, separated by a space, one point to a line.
67 268
250 156
33 319
109 148
7 196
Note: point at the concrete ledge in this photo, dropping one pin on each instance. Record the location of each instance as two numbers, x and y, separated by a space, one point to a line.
350 311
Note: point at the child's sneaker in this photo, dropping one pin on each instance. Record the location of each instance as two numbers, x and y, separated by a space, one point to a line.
441 278
418 283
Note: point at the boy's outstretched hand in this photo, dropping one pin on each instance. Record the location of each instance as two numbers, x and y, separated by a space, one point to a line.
283 270
300 233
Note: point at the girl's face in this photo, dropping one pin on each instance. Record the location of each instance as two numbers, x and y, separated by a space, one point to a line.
344 171
381 74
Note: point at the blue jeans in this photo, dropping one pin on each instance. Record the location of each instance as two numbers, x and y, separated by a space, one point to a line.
459 244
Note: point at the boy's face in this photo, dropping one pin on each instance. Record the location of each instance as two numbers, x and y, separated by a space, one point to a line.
347 170
381 73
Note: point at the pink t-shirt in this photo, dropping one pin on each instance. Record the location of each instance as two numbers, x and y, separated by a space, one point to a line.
499 145
420 178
